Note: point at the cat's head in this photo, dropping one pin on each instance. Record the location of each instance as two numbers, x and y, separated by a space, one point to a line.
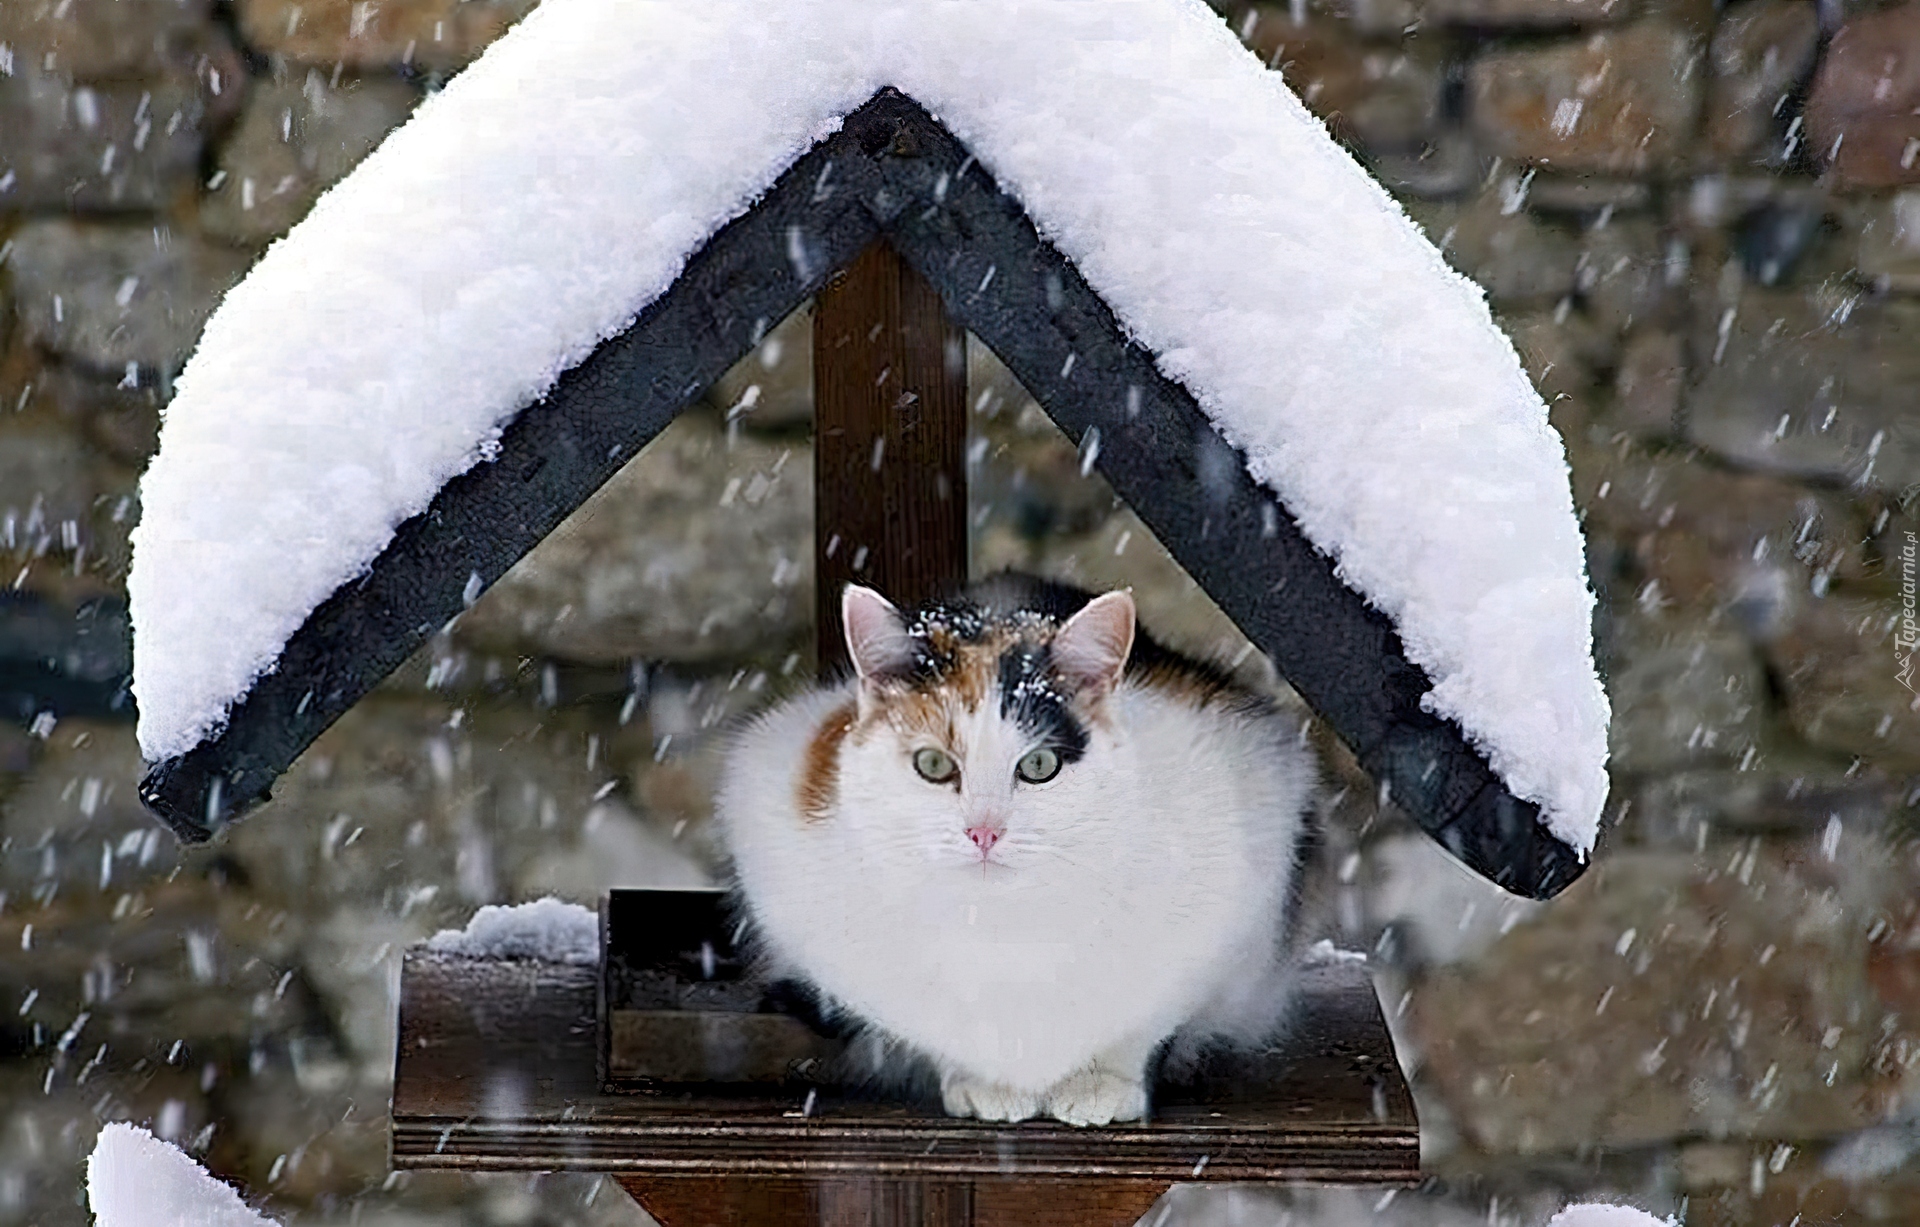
976 737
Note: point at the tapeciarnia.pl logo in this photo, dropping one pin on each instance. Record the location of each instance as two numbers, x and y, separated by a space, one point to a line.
1907 636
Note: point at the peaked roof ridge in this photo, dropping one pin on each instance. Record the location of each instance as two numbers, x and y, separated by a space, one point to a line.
386 347
890 161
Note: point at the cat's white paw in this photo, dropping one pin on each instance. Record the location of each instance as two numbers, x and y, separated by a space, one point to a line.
965 1096
1097 1096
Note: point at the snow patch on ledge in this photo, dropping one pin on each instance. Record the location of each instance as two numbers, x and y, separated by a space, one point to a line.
136 1180
1324 951
548 930
532 208
1597 1215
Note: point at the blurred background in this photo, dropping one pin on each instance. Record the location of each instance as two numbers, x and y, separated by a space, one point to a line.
1701 226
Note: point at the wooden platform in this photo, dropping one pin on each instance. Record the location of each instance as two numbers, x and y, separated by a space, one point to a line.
496 1072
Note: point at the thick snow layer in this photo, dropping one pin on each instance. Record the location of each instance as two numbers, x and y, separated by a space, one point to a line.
547 929
534 206
136 1180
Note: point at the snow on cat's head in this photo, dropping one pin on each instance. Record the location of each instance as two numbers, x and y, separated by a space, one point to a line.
976 739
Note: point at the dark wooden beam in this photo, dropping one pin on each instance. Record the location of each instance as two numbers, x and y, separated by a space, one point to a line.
890 439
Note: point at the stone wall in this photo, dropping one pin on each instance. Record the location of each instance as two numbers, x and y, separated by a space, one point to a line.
1701 227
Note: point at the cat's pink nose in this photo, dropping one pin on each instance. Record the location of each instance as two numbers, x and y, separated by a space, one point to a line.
984 837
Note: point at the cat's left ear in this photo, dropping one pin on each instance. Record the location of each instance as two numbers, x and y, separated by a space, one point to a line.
877 640
1090 651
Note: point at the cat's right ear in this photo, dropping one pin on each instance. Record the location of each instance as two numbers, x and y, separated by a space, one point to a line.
1091 649
877 640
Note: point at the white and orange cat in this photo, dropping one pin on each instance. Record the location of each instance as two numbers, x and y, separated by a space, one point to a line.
1027 845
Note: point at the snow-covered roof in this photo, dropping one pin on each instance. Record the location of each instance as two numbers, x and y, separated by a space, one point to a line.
531 209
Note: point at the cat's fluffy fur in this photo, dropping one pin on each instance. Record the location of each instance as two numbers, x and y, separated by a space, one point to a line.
1038 943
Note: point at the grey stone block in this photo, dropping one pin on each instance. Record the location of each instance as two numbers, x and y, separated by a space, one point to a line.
1815 385
700 550
114 145
116 297
93 39
1683 692
431 34
1622 101
295 139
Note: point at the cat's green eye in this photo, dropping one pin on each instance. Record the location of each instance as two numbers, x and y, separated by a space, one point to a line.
1039 766
935 766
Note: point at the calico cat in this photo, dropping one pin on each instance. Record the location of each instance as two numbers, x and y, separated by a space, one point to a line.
1027 845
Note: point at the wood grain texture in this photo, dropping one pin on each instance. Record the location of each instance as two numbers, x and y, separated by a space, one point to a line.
890 438
737 1202
724 1201
1054 1203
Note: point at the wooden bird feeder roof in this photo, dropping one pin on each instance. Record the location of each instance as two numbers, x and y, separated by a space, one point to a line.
700 1100
892 173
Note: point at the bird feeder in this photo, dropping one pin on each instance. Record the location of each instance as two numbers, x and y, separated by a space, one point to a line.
664 1065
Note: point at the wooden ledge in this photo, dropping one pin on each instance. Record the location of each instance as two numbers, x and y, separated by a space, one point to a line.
496 1071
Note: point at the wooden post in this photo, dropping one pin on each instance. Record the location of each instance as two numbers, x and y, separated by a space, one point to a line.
890 511
890 437
765 1202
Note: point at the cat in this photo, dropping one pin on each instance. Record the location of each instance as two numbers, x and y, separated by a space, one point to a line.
1026 845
